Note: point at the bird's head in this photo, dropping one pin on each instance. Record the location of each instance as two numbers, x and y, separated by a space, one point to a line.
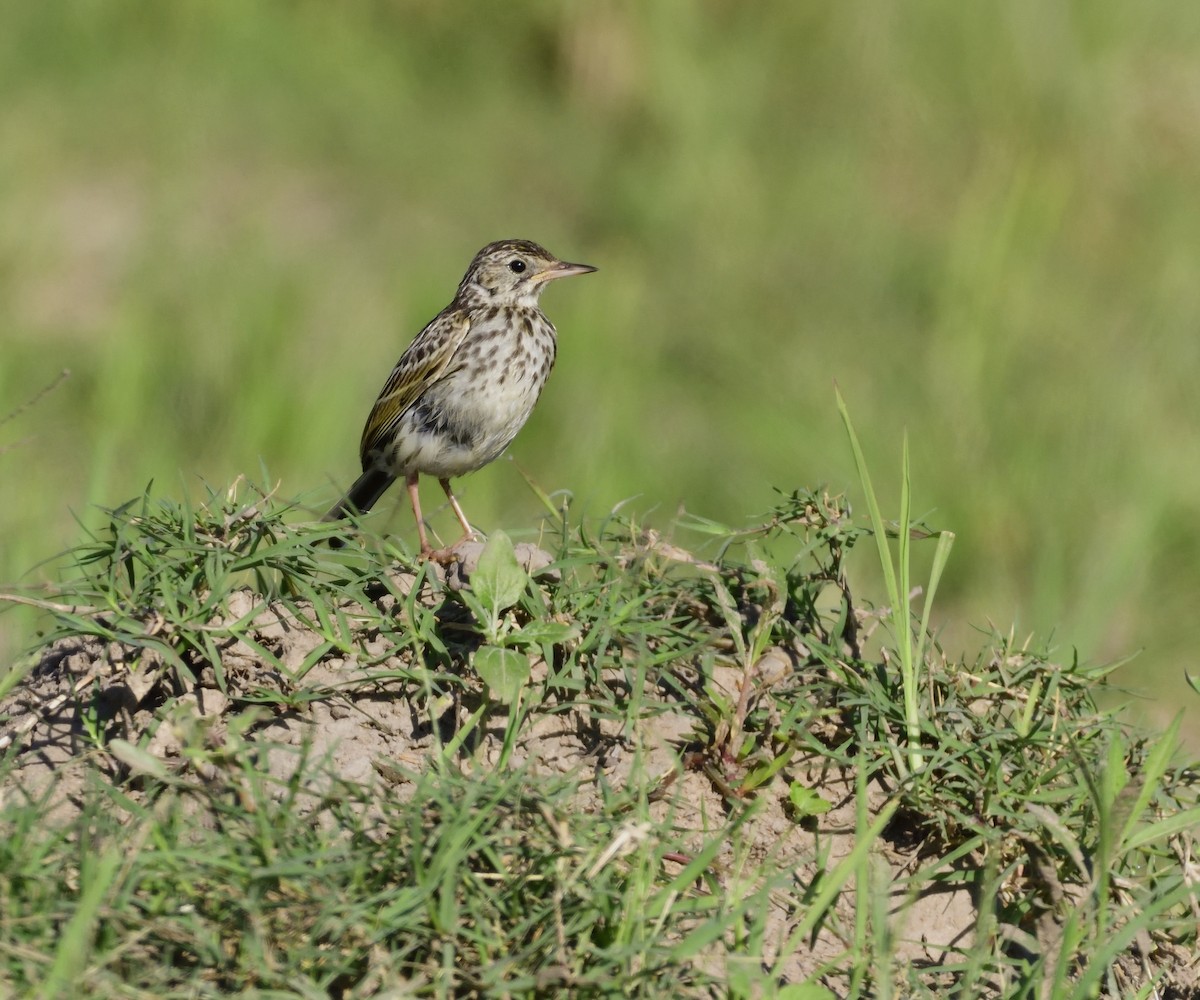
514 272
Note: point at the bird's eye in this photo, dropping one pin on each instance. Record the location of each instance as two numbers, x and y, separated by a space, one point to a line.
516 266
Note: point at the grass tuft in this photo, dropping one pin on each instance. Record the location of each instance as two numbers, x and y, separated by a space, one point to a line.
613 763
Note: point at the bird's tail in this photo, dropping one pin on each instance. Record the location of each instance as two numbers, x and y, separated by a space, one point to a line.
367 489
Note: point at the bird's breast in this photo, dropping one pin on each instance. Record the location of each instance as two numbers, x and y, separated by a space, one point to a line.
468 417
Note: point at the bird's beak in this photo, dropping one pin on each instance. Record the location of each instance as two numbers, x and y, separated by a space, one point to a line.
562 270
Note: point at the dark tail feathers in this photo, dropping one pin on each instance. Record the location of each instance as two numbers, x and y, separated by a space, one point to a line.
367 489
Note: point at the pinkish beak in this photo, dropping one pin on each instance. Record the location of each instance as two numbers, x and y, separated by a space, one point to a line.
563 270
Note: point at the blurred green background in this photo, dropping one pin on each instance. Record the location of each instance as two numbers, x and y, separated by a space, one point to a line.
983 221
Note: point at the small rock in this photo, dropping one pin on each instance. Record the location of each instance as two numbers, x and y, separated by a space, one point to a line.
466 557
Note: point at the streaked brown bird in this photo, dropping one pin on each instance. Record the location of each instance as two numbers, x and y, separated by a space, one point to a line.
466 384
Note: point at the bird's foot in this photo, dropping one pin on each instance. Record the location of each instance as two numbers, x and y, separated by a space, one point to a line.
450 553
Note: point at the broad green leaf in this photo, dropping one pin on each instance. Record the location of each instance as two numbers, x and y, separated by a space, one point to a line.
806 802
537 632
504 671
763 773
498 580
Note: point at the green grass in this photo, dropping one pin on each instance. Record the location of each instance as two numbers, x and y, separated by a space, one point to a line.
227 219
757 789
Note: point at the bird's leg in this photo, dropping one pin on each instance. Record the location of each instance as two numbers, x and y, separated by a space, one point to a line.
468 531
415 499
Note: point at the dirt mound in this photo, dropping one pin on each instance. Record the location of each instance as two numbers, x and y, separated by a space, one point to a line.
721 698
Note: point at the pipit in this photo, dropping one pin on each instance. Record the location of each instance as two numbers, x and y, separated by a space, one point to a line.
466 384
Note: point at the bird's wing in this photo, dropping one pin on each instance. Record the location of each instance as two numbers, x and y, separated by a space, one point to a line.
427 359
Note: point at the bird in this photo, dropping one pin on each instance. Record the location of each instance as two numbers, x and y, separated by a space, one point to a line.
465 385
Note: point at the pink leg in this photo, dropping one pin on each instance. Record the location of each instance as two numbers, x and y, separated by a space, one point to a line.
415 500
468 531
